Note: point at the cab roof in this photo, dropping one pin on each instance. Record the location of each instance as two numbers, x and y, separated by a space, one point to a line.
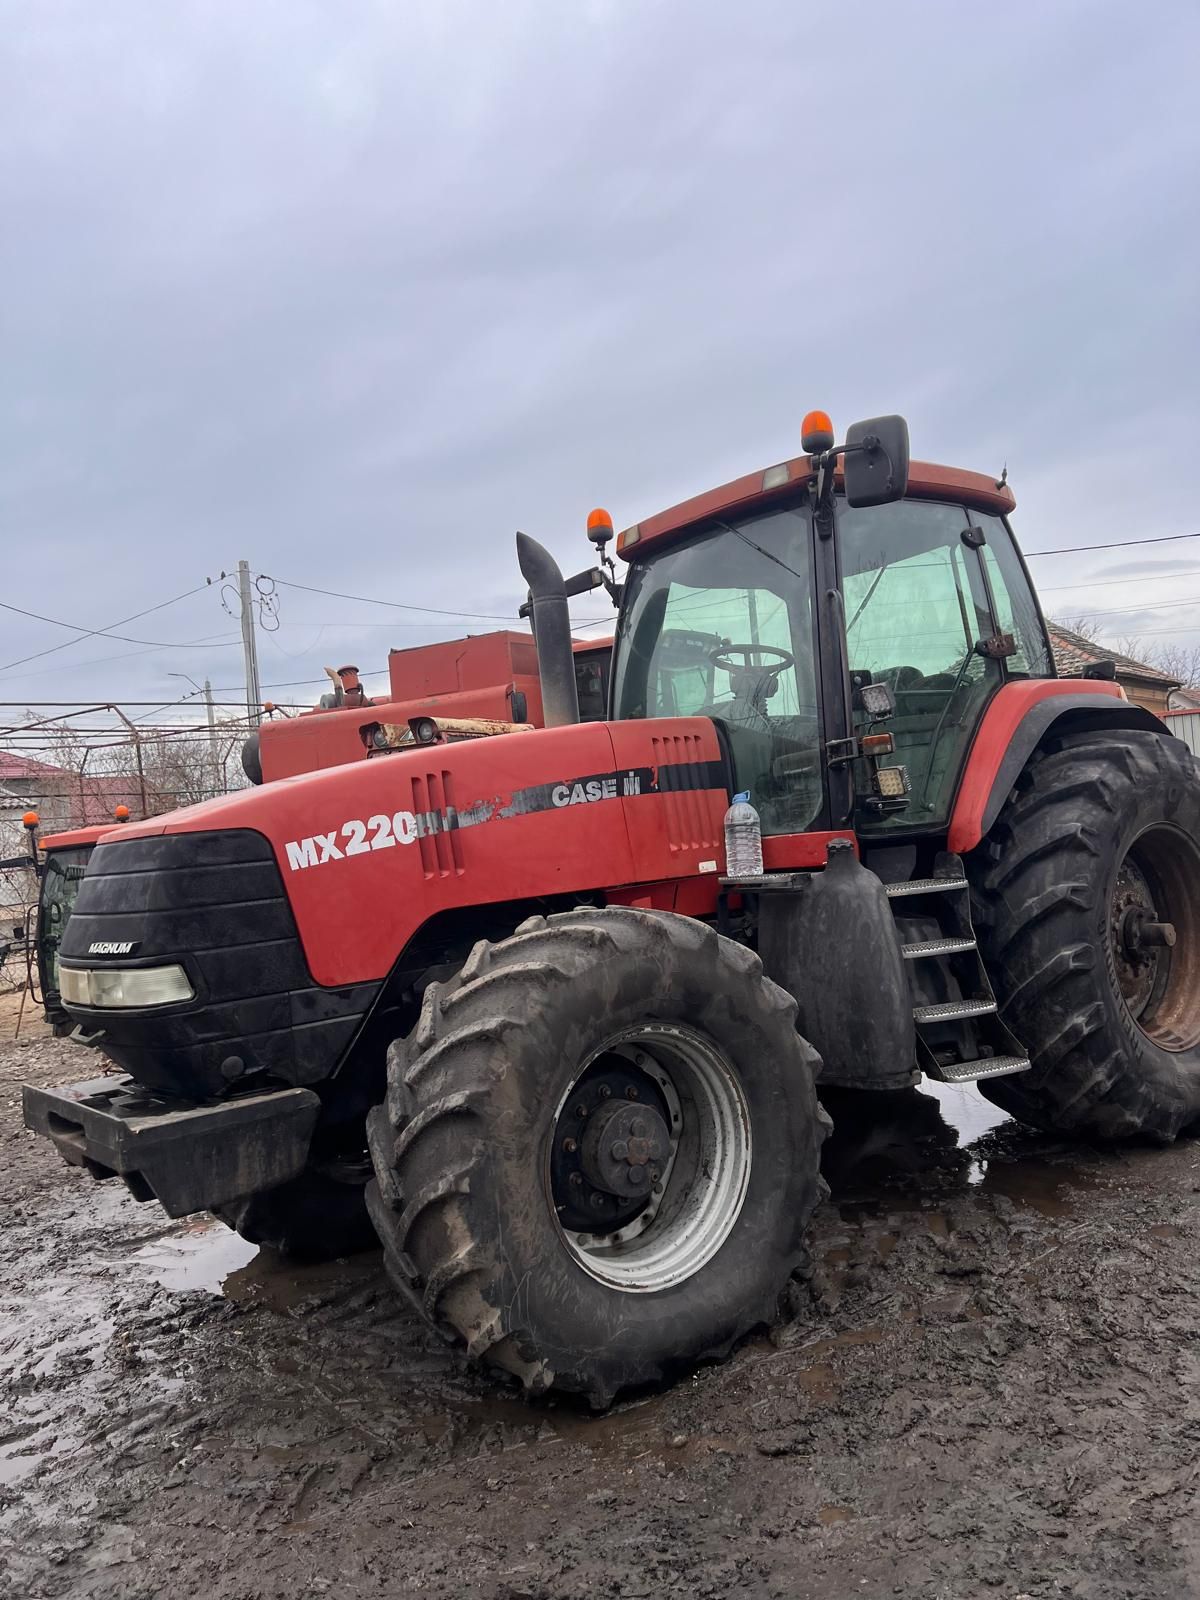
74 837
926 480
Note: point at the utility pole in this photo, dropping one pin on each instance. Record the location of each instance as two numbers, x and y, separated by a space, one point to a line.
249 647
212 739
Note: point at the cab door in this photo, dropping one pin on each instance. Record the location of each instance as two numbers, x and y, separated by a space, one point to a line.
931 611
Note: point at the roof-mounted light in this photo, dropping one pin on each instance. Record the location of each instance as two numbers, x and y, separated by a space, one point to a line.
816 433
599 527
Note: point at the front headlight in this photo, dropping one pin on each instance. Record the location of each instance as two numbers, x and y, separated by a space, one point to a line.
123 986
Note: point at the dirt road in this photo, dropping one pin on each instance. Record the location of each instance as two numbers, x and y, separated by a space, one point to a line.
991 1386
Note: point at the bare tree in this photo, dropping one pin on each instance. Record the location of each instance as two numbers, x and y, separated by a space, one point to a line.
1086 627
1178 661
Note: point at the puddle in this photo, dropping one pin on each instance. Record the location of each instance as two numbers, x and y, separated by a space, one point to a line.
914 1144
262 1277
830 1516
965 1110
1048 1188
201 1255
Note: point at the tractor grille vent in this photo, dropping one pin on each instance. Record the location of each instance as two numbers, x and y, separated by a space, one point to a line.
437 824
694 815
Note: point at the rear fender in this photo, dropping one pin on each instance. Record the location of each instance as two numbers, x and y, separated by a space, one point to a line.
1018 720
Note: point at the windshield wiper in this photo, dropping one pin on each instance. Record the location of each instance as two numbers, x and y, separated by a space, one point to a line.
746 539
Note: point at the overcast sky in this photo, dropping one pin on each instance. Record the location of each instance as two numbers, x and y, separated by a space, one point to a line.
355 290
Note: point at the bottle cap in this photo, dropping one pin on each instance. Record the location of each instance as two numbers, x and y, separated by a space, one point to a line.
745 795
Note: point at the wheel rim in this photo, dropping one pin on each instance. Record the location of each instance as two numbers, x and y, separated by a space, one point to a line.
694 1141
1154 934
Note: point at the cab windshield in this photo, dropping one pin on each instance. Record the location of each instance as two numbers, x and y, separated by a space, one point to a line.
722 627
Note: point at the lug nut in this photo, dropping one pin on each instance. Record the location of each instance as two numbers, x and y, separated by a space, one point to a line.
570 1146
605 1091
637 1177
581 1110
619 1150
575 1179
637 1128
631 1093
597 1202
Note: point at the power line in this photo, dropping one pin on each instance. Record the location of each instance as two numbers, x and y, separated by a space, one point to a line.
1151 605
87 707
1158 633
314 622
395 605
1121 544
301 683
122 655
1106 583
90 633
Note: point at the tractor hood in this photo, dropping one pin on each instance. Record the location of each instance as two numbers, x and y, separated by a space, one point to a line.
369 852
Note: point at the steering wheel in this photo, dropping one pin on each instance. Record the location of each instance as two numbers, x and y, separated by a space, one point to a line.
720 658
752 682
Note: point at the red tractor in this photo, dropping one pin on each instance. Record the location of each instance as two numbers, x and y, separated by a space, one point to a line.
512 980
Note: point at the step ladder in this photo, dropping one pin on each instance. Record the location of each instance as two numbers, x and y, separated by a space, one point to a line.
960 1037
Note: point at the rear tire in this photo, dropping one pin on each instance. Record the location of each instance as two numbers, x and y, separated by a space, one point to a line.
478 1164
1103 828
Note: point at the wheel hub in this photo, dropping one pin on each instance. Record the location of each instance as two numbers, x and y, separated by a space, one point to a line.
650 1156
596 1191
1154 936
1139 939
1140 934
625 1148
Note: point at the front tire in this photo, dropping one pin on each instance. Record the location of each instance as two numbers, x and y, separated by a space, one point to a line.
1097 849
599 1150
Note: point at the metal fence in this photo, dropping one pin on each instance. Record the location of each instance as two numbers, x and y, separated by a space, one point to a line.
1185 725
83 767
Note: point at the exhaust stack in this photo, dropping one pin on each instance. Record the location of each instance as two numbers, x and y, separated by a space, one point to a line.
551 632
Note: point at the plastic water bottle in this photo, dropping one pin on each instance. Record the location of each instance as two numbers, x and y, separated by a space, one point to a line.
743 839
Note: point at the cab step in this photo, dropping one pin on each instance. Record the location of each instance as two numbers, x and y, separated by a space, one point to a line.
972 1071
953 1011
900 891
960 1036
935 947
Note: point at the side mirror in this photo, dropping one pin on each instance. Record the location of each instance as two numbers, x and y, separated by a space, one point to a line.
875 465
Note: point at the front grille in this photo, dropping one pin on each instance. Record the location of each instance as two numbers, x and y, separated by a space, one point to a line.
215 903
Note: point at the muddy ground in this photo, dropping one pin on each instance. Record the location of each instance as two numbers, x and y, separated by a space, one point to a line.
991 1386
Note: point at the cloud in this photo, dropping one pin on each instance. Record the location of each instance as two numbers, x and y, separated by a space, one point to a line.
356 291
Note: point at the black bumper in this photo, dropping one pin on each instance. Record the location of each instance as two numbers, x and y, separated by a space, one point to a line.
188 1156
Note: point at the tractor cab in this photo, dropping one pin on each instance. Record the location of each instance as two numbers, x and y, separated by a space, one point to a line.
845 638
